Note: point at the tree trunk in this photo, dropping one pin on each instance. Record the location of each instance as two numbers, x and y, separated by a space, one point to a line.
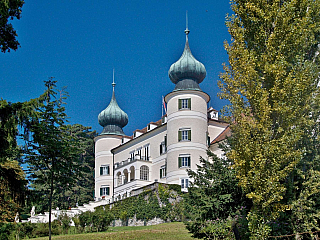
235 231
50 204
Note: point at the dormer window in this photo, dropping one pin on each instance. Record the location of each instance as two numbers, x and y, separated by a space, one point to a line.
185 103
151 126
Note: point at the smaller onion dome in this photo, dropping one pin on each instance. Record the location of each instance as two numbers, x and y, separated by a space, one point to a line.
113 118
187 72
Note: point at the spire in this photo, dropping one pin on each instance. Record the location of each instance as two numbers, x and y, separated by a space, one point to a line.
113 118
113 83
187 72
187 30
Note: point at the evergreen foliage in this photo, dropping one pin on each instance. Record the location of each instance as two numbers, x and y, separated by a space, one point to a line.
78 192
213 200
52 154
271 82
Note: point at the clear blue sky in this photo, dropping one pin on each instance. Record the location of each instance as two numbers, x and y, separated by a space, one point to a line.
80 42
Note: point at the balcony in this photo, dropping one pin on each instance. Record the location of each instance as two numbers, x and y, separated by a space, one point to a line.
129 160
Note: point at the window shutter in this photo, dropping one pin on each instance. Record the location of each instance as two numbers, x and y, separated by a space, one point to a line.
179 136
189 135
165 140
101 191
180 103
189 103
180 162
160 149
160 173
101 170
108 170
187 183
189 161
108 191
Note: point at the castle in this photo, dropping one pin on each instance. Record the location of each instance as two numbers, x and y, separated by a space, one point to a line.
164 150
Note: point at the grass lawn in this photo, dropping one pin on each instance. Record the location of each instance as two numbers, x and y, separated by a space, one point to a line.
175 230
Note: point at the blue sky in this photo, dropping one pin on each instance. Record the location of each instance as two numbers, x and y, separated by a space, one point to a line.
80 42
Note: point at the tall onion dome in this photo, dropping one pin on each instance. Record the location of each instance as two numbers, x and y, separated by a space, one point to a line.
113 118
187 72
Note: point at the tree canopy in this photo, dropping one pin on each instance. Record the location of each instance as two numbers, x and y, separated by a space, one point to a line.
271 82
9 9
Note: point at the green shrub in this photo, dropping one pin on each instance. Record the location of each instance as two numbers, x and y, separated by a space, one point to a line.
101 219
65 222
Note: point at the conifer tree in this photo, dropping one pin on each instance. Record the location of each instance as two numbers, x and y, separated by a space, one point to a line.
52 154
271 82
213 199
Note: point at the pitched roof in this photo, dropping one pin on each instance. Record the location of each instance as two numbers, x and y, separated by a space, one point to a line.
223 135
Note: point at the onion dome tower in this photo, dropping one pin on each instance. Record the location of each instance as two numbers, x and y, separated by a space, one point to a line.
187 72
187 122
113 118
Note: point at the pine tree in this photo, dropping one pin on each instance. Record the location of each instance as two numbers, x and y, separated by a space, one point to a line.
52 154
81 189
271 83
213 199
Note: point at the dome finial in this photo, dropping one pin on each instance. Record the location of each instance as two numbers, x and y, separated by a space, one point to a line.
113 83
187 72
113 118
187 30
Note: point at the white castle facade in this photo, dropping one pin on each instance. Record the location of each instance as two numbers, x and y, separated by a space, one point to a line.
163 150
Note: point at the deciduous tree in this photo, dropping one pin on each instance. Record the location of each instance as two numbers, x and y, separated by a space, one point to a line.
9 9
271 82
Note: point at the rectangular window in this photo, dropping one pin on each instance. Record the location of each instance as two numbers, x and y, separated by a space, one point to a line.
163 171
139 152
146 153
132 156
184 182
184 161
105 170
185 103
184 135
104 191
162 148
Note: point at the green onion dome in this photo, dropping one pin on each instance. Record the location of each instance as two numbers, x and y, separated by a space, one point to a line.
113 118
187 72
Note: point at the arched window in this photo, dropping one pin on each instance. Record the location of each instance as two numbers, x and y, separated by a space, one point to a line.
144 172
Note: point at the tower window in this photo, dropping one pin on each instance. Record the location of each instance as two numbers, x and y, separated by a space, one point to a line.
104 191
185 103
105 170
184 135
184 161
